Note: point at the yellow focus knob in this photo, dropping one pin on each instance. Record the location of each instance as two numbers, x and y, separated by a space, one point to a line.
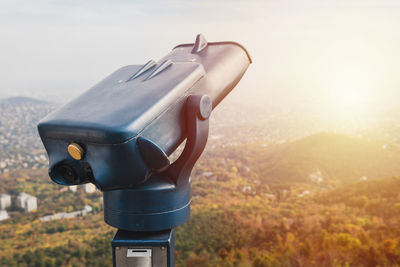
76 151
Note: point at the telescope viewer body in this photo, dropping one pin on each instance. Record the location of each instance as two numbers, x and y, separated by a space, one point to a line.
119 134
125 127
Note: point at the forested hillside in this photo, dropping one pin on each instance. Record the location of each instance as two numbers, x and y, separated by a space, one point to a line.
325 159
237 220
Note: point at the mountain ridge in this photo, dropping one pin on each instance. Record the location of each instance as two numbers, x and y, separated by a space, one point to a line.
322 158
22 100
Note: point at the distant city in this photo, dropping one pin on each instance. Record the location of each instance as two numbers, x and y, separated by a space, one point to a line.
21 148
20 145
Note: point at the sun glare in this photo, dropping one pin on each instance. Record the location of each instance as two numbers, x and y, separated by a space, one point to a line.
348 104
348 93
350 100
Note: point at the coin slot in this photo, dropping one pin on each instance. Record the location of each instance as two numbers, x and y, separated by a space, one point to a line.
139 252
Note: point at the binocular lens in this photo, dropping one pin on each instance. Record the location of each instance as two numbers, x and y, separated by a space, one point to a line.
68 173
64 174
71 173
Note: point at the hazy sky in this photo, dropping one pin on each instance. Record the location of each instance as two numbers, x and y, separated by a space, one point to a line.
322 51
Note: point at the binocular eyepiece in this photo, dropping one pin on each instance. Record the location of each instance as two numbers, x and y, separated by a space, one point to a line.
69 172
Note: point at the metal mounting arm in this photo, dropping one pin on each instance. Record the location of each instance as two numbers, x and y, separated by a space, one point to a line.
198 110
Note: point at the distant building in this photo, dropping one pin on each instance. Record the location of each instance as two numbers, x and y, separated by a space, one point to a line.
27 202
304 193
89 188
87 209
67 215
3 164
56 216
246 189
3 215
72 188
316 177
207 174
5 201
271 196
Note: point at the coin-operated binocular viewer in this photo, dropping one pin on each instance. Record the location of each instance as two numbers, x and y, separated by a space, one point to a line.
118 135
